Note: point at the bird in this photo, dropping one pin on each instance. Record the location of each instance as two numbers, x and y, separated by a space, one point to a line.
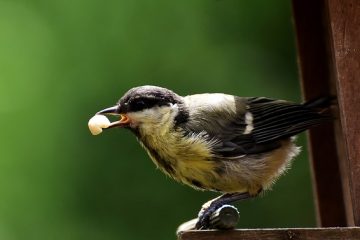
236 146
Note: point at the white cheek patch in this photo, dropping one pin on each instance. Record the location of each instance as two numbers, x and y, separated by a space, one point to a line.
249 123
97 123
153 115
156 119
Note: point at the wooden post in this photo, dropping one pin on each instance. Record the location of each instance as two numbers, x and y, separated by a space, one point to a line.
344 17
328 37
315 63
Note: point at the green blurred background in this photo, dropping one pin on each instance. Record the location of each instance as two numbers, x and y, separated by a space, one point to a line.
63 60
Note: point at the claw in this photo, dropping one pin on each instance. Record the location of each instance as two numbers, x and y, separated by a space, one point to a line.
204 217
203 222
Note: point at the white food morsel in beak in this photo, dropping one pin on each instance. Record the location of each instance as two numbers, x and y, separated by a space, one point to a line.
97 123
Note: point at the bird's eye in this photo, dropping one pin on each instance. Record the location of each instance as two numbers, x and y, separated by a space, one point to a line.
138 105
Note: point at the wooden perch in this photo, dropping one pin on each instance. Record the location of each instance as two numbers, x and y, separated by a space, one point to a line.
274 234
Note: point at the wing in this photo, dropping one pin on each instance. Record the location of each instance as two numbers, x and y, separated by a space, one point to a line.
250 125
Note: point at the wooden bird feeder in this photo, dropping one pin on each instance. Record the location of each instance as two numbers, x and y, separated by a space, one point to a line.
328 42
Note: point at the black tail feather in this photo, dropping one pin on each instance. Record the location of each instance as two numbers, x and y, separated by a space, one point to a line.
320 102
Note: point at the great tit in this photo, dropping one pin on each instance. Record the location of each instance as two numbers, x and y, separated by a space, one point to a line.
237 146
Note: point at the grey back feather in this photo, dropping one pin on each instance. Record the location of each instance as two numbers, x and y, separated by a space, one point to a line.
223 118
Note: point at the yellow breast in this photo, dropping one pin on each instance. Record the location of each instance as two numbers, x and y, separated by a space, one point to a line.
186 159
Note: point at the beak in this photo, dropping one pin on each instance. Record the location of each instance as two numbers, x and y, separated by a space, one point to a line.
124 120
110 111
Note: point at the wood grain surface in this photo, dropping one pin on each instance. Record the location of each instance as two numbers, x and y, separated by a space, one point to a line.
275 234
344 16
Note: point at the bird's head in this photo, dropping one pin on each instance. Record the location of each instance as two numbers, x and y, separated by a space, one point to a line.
145 108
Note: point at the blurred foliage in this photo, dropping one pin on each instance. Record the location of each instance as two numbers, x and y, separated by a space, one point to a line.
62 61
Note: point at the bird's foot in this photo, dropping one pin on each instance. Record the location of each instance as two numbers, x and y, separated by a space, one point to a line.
210 207
205 213
204 219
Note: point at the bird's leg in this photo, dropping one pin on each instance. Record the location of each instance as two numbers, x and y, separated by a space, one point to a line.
210 207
